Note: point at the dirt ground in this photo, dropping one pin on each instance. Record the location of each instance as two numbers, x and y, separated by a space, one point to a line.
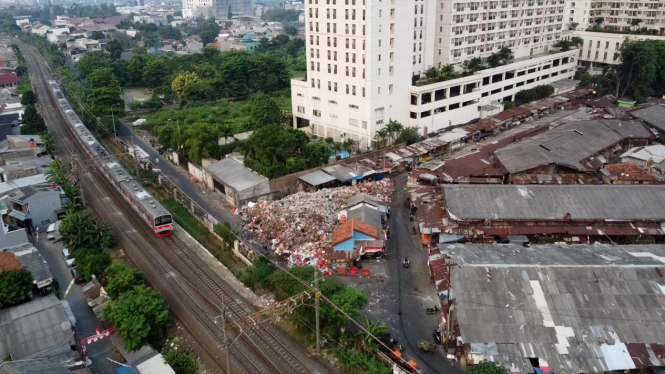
138 94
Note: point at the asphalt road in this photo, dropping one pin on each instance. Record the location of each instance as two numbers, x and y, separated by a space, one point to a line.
414 289
85 318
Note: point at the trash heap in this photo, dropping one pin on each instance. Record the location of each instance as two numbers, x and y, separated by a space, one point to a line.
300 225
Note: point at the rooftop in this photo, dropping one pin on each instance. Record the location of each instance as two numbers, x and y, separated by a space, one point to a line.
366 214
587 312
345 231
317 178
653 115
569 144
655 153
627 172
36 329
555 202
8 261
53 365
236 175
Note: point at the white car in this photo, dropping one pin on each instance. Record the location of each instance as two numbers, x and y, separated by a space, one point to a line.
69 259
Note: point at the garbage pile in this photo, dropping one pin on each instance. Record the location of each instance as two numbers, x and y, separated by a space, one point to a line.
299 226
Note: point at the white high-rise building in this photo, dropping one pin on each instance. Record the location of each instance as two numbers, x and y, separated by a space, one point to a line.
364 58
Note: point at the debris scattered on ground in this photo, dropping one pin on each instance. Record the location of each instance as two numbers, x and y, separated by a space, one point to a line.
300 225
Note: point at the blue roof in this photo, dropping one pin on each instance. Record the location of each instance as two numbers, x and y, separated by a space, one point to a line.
124 370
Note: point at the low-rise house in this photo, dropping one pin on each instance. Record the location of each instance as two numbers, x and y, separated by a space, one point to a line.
574 148
235 182
72 363
34 206
626 173
193 44
9 79
344 237
39 328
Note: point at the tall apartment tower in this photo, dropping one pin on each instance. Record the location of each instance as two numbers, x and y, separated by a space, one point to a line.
365 57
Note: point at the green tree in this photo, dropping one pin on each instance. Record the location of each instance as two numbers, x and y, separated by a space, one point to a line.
181 362
15 286
164 94
103 77
33 123
409 136
182 80
91 261
573 26
155 72
80 230
28 98
136 65
122 278
381 135
263 110
202 141
105 100
374 330
139 315
486 367
114 49
92 61
507 105
394 128
472 65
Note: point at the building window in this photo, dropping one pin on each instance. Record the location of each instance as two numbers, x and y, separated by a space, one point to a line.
317 113
353 122
390 88
301 109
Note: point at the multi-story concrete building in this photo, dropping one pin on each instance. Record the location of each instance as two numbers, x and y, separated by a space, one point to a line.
365 57
617 15
601 48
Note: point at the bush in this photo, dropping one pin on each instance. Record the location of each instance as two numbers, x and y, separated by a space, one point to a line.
533 94
181 362
226 232
91 261
257 275
122 278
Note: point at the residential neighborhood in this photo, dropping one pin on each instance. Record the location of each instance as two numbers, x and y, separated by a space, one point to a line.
336 186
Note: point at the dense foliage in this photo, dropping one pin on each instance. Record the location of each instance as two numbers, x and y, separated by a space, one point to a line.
487 367
80 231
91 262
15 286
139 315
122 278
181 362
33 123
533 94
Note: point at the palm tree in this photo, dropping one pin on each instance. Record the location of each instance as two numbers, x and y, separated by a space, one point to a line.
337 147
394 128
349 145
374 329
226 130
381 136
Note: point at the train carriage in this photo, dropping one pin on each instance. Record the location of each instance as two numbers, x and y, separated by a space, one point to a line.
144 204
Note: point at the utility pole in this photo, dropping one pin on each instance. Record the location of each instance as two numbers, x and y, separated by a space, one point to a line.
226 342
115 136
135 157
317 300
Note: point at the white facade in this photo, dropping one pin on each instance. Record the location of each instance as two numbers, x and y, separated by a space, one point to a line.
363 54
601 48
618 15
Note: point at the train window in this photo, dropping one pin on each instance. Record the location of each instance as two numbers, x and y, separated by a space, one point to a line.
163 220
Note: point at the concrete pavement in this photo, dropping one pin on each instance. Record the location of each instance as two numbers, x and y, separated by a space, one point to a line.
85 318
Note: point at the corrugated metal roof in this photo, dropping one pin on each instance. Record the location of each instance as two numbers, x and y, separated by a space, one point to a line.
569 144
317 178
236 175
37 328
654 115
52 365
575 318
555 202
342 173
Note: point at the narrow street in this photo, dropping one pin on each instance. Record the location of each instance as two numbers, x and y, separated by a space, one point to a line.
85 318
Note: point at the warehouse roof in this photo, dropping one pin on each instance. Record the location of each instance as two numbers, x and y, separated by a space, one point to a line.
343 173
35 329
653 115
569 144
555 202
572 318
366 214
568 255
236 175
317 178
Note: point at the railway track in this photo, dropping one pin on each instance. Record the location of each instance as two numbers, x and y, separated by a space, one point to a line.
274 357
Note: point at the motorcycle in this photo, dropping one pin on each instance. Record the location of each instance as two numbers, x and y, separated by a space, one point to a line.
411 217
406 262
414 230
433 310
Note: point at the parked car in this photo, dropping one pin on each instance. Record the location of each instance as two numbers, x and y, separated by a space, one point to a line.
69 259
77 276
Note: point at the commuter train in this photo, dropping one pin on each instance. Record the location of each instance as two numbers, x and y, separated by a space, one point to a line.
150 210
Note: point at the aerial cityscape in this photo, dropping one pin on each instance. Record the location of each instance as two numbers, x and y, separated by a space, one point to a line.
332 186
